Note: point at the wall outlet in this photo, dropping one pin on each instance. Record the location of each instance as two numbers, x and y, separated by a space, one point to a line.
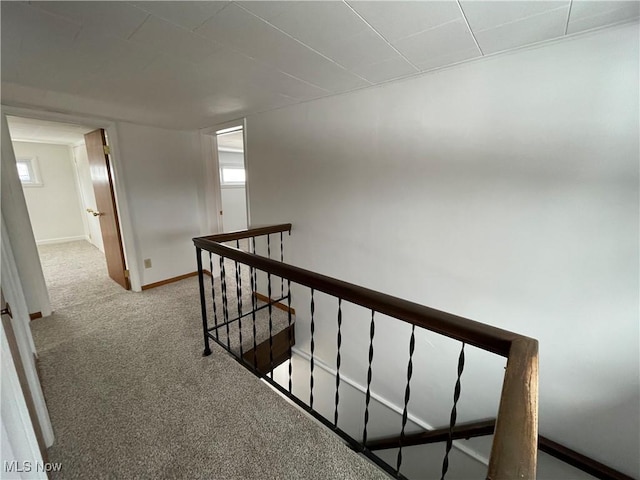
147 263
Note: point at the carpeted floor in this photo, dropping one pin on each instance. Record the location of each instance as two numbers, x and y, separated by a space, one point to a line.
131 397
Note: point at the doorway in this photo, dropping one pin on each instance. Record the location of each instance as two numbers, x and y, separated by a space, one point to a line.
233 193
74 226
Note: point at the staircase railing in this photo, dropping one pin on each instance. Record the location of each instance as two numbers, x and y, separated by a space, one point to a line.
514 450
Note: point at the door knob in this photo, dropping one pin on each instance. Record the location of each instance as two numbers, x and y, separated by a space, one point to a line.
97 214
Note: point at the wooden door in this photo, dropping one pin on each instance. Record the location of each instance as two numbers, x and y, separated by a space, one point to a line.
102 178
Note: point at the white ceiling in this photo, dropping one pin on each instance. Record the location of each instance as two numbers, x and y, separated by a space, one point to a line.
196 64
40 131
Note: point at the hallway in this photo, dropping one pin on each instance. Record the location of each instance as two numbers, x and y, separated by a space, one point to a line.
130 396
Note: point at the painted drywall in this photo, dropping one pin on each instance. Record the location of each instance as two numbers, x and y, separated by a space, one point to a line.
162 175
87 196
54 208
20 232
234 197
504 190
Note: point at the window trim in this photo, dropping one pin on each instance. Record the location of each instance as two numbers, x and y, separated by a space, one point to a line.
34 171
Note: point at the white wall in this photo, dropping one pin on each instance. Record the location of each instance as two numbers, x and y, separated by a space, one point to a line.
234 197
504 190
162 175
20 232
54 207
87 195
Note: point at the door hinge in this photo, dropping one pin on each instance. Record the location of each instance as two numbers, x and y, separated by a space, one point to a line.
126 274
7 311
107 150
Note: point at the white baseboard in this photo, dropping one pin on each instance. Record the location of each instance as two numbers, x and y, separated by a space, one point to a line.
52 241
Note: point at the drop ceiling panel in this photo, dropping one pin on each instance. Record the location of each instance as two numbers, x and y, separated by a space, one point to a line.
590 14
178 13
242 31
485 15
443 40
398 19
331 28
544 26
116 18
237 67
386 70
170 39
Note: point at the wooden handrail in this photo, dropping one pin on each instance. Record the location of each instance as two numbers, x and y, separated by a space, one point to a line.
248 233
463 430
514 451
474 333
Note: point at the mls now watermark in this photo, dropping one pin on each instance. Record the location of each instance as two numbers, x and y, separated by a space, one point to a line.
26 467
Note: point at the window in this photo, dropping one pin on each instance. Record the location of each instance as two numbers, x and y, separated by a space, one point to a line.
28 171
233 176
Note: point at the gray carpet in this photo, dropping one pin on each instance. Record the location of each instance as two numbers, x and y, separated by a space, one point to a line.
130 396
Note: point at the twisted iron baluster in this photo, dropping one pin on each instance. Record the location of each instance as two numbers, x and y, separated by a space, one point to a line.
281 260
213 295
335 415
225 309
313 345
254 306
454 413
289 334
270 325
372 331
407 394
239 297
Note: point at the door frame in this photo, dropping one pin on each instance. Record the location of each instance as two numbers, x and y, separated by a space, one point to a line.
213 192
124 215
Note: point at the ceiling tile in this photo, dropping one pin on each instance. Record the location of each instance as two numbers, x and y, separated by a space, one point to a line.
590 14
485 15
544 26
446 39
233 65
173 40
250 35
115 18
395 20
331 28
178 13
385 70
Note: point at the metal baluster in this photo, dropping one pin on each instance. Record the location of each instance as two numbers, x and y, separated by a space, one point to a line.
254 303
407 394
254 306
372 331
454 413
225 309
213 296
313 328
203 304
270 325
335 415
239 297
282 261
290 339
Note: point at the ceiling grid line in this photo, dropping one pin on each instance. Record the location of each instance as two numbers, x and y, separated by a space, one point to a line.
566 27
381 36
305 45
139 26
466 21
